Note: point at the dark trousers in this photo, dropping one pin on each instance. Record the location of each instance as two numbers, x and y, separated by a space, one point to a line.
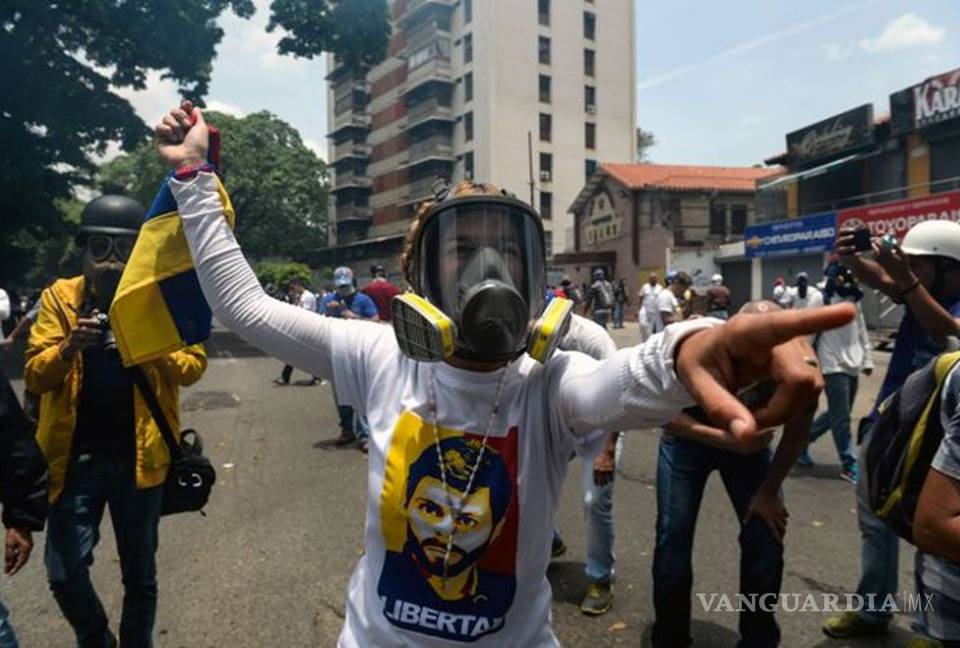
682 470
73 530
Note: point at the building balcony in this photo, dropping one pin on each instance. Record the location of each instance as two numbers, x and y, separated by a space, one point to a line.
414 7
349 119
436 69
351 149
354 213
421 35
351 179
429 110
438 147
350 86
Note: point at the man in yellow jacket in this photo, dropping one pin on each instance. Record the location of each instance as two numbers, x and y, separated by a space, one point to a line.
97 434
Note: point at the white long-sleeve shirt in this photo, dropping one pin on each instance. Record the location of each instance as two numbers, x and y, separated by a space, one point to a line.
845 349
498 594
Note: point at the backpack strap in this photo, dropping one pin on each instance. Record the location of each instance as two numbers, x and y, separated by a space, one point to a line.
944 365
140 379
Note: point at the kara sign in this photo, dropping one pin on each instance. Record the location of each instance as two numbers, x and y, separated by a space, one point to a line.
932 102
839 134
807 235
898 217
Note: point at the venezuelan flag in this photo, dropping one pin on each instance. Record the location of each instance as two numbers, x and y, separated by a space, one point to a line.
159 307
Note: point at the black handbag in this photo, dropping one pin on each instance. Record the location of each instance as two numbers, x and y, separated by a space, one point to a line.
191 476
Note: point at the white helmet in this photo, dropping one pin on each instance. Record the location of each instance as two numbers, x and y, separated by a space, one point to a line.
933 238
717 278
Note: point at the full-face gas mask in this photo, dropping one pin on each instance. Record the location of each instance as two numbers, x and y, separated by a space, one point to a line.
478 279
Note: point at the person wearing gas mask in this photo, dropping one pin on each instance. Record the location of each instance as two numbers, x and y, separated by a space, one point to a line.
805 295
97 434
844 354
468 378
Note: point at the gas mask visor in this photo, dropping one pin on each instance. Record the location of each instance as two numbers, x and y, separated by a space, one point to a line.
480 261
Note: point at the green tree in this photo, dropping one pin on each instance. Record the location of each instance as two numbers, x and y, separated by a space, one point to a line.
62 63
279 274
357 32
279 188
645 141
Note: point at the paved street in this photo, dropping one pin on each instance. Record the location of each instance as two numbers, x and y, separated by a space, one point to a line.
269 564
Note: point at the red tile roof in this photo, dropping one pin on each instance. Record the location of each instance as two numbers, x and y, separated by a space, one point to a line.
688 178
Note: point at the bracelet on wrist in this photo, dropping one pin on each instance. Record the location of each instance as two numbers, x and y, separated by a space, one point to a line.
911 287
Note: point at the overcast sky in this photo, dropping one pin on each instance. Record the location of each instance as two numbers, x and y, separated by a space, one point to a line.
717 82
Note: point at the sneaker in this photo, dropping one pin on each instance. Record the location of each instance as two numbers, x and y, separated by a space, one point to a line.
345 438
920 641
599 599
364 447
557 548
849 473
805 460
851 624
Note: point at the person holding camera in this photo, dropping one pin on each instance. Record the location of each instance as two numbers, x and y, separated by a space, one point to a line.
97 434
923 274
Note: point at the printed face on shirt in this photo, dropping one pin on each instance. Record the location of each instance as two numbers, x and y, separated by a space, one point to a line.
431 520
418 518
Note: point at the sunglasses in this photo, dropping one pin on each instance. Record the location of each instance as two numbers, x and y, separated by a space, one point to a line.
102 246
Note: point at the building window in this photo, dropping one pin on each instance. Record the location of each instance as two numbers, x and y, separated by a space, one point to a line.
546 205
544 88
468 165
590 99
590 167
589 62
543 49
546 166
548 243
467 11
590 135
468 48
546 127
468 126
718 220
738 219
468 86
543 12
589 25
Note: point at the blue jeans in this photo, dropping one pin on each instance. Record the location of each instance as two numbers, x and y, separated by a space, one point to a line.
346 422
601 317
73 530
841 390
618 310
879 551
8 638
682 470
598 515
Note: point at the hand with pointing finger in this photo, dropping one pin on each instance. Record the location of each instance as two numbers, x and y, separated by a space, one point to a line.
714 363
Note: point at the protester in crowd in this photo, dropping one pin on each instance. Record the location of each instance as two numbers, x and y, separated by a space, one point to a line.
647 309
302 297
464 449
669 310
620 301
381 291
600 299
24 480
923 274
936 528
718 298
598 454
101 442
22 328
782 295
348 303
571 292
804 295
844 354
690 449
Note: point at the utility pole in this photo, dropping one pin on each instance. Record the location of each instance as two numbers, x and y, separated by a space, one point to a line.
530 164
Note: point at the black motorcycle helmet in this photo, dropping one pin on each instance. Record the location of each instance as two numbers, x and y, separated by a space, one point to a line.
111 215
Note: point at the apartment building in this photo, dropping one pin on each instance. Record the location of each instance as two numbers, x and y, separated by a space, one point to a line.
527 94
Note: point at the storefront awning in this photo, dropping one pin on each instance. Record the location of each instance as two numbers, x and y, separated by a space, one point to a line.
806 174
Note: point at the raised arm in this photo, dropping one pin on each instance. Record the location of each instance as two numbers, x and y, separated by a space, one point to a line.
288 332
